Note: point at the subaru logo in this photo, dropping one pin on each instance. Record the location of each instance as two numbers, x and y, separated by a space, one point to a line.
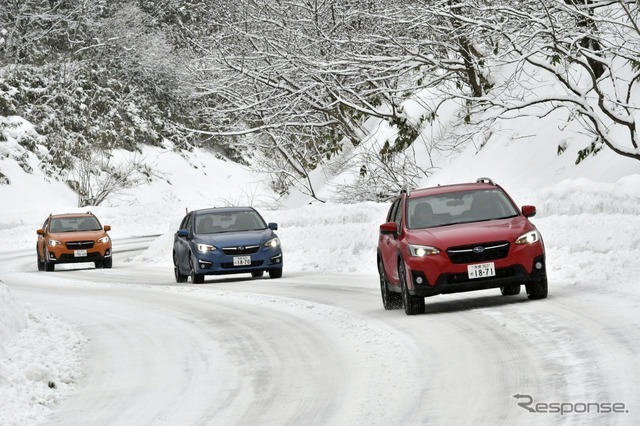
478 249
241 248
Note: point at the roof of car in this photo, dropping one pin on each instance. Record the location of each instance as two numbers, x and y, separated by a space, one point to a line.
72 214
443 189
224 210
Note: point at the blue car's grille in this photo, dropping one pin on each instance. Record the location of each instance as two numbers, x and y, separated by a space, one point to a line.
253 263
234 251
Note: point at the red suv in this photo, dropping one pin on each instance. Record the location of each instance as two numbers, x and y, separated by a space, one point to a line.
73 238
455 238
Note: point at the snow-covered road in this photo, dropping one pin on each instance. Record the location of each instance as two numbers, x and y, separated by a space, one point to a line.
315 348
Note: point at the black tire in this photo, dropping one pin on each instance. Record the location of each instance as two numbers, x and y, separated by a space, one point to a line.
390 299
107 263
195 278
510 290
99 264
412 304
48 266
39 261
538 290
180 278
275 273
257 274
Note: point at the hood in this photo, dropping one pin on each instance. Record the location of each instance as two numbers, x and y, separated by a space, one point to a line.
237 238
471 233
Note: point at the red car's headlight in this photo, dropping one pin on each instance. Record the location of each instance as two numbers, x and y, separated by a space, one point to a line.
529 237
422 251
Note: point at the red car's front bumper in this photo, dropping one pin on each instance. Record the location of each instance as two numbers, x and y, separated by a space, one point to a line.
432 275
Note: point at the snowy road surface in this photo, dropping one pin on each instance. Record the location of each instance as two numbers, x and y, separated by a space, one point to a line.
315 348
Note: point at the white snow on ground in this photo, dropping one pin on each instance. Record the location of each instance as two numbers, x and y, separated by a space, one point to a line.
591 229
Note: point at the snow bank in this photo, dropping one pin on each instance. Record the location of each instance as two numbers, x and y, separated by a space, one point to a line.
40 358
578 218
12 317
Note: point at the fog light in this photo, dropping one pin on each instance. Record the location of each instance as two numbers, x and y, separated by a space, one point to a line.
419 280
204 264
538 265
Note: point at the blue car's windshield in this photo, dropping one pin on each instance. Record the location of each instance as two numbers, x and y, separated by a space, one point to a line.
215 222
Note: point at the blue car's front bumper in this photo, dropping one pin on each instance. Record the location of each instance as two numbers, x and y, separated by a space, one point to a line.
218 263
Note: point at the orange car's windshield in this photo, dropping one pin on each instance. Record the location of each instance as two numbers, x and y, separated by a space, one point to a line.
74 224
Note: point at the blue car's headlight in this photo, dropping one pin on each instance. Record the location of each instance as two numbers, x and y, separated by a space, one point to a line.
205 248
272 243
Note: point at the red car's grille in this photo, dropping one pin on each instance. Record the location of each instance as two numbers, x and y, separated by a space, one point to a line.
479 252
79 245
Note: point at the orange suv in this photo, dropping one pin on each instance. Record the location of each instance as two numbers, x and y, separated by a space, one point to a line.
73 238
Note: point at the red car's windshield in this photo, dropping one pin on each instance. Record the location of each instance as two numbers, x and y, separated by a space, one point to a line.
458 207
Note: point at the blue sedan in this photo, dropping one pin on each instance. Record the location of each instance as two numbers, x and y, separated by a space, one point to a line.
226 240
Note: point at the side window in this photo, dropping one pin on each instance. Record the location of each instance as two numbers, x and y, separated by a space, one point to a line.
392 211
185 222
44 225
398 213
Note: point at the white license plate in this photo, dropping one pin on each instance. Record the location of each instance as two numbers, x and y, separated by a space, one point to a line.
242 261
80 253
481 270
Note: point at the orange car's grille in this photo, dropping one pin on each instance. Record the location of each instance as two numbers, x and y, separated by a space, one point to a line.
79 245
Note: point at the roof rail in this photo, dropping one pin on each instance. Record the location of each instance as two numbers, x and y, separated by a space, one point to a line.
485 180
406 190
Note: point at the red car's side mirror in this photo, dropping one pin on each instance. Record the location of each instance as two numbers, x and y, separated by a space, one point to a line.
389 228
528 211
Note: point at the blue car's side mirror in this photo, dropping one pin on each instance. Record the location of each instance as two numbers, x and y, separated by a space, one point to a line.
182 233
273 226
